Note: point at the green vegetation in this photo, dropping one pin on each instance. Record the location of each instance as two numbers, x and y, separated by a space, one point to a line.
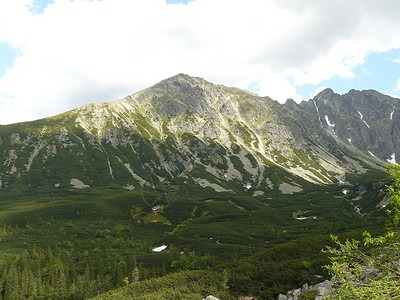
87 195
183 285
370 269
70 244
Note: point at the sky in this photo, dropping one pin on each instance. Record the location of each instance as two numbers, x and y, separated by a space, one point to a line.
56 55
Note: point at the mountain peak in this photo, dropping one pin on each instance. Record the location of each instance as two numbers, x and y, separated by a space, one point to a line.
328 92
180 78
290 102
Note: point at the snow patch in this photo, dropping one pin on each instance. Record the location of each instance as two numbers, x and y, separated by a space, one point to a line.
370 153
76 183
316 107
392 160
57 185
160 248
328 122
383 203
362 118
349 140
331 125
391 114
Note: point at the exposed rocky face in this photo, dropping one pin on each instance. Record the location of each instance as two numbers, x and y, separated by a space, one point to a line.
185 130
364 120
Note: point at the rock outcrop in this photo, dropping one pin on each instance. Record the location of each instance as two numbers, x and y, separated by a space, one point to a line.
317 291
211 297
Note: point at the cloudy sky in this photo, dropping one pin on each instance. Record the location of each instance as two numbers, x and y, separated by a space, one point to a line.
56 55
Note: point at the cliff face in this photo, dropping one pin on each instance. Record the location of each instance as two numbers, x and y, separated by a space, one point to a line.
188 131
364 120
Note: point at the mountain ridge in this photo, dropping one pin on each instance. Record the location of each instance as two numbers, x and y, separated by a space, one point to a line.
187 130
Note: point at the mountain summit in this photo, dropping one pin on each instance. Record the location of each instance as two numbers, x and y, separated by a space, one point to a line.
189 132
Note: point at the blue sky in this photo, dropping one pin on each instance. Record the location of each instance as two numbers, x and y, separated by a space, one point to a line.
381 72
39 5
7 54
57 55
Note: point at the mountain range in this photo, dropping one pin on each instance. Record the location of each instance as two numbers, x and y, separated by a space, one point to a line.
189 133
190 188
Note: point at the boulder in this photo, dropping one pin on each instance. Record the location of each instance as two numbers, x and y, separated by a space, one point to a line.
296 292
211 297
322 291
304 288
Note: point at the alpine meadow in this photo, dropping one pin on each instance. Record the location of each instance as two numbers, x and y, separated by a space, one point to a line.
189 189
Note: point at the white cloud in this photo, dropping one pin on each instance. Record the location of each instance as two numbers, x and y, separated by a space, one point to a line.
317 91
398 85
278 87
14 17
83 51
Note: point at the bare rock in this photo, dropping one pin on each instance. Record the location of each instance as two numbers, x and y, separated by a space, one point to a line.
211 297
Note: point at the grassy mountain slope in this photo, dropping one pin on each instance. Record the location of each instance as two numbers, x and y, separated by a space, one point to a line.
183 131
221 176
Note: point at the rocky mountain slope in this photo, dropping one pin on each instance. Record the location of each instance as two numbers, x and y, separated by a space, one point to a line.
366 120
188 132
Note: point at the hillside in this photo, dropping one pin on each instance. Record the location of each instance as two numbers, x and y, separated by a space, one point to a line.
186 131
230 183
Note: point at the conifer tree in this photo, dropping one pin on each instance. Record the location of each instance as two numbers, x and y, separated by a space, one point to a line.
38 281
135 275
26 284
12 287
61 289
